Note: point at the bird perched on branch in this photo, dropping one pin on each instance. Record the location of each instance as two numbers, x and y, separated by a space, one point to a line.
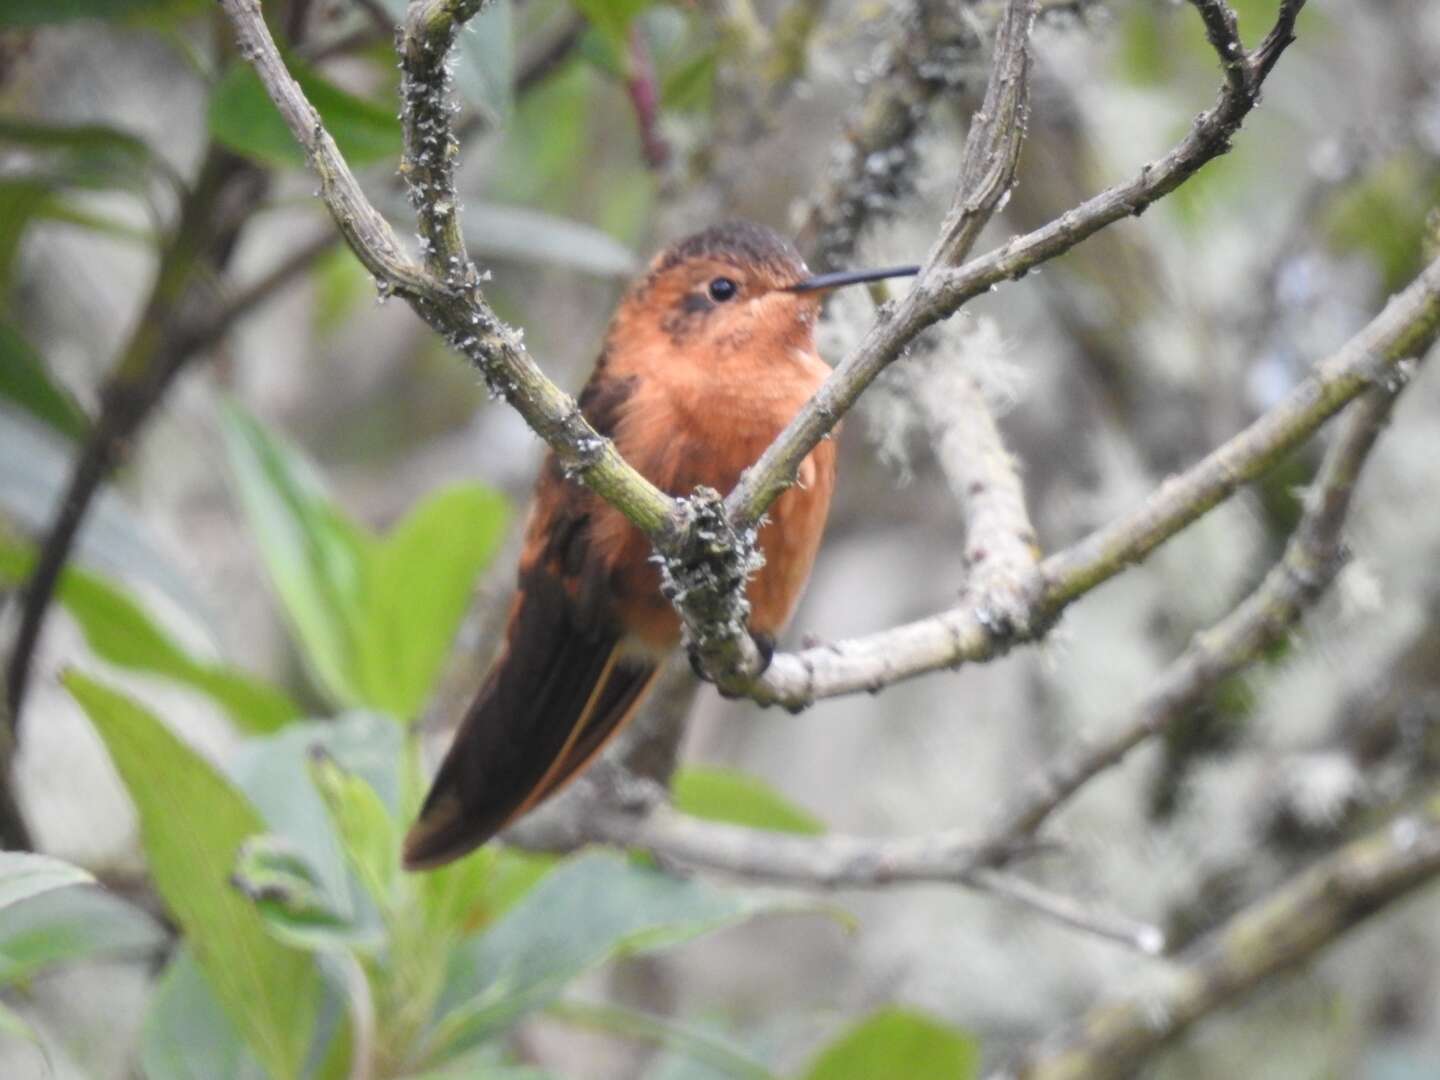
707 359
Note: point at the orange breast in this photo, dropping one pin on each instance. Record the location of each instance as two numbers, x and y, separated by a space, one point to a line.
682 434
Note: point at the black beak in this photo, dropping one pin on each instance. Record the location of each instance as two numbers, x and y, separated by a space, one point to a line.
851 277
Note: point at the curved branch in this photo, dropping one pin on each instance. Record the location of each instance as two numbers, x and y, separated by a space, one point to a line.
974 631
458 311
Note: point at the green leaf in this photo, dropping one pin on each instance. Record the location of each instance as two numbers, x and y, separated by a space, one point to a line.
23 875
21 200
243 118
367 832
588 910
417 590
50 159
612 17
290 897
485 68
274 773
375 618
192 823
119 631
36 12
72 924
690 87
83 155
735 797
315 556
469 894
898 1042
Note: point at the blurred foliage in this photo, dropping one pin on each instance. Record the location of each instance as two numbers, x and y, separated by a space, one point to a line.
898 1042
119 631
740 799
243 118
376 615
37 12
1383 216
25 381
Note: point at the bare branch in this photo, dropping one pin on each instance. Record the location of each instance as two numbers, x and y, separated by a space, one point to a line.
997 131
973 632
1275 934
1001 549
1223 30
1142 937
1311 559
940 292
829 861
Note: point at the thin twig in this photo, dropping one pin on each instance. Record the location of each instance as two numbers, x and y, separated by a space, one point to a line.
829 861
1068 911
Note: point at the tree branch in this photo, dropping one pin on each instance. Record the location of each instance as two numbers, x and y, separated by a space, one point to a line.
457 311
721 559
1275 934
830 861
1309 564
972 631
939 292
1001 549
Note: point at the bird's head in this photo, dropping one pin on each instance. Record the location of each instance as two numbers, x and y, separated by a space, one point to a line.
737 287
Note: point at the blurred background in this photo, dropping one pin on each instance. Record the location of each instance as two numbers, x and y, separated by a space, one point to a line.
595 132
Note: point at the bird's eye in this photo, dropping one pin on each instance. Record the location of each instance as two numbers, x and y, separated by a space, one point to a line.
722 289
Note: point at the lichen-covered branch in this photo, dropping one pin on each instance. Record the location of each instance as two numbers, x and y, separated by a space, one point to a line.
1311 559
1275 934
431 149
971 631
1001 549
457 311
940 292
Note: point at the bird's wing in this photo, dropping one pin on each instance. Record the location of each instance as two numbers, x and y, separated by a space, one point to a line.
564 683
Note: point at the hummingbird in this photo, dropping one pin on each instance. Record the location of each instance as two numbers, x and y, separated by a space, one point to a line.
707 358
